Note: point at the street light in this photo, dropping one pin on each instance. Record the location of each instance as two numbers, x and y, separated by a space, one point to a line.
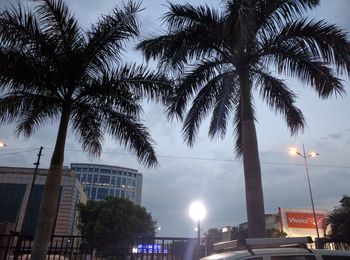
294 151
197 212
2 144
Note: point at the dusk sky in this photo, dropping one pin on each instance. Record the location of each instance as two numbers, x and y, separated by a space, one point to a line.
209 171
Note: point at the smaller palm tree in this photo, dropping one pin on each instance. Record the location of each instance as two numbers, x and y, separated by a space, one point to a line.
52 70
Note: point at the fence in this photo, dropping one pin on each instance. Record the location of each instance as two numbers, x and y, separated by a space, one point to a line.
77 247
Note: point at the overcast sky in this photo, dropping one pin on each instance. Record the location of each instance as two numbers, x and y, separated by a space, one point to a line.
209 171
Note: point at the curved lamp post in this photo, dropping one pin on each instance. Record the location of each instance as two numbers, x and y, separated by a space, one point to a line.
197 212
294 151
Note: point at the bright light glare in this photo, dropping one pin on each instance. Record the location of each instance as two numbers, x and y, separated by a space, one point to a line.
197 211
293 151
313 154
2 144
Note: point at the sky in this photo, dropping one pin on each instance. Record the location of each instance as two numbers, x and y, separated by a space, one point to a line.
209 171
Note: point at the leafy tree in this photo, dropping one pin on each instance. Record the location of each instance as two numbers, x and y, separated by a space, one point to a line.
52 70
339 219
114 222
219 69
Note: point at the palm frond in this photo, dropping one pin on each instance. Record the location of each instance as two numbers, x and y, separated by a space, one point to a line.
106 39
277 95
226 98
192 81
21 71
19 29
326 41
56 20
274 14
201 105
144 83
132 135
28 110
294 61
237 129
181 17
88 128
108 93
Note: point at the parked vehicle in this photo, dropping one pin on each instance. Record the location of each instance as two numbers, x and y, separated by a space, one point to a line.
274 249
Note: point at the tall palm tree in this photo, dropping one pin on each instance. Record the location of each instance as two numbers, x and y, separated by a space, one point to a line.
219 69
51 69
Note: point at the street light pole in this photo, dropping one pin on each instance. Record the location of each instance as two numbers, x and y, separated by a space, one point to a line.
197 212
305 156
310 191
198 236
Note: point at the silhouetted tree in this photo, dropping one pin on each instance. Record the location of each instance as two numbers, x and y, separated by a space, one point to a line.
222 57
52 70
339 219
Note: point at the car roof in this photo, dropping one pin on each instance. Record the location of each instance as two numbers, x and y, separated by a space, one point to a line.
273 251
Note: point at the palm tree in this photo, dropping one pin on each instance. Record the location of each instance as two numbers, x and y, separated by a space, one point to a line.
50 69
339 219
219 69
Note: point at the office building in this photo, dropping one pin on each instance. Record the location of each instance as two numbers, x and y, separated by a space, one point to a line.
15 185
100 181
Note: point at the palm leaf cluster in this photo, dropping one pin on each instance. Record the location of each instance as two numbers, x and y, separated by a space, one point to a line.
204 45
50 66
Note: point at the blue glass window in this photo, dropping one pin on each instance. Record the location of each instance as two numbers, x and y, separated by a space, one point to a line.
118 182
83 178
102 193
91 169
123 182
105 170
129 183
104 179
113 182
97 170
93 193
120 173
95 179
117 193
127 194
132 195
122 194
133 184
89 178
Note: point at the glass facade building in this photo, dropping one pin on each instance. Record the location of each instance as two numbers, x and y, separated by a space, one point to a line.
100 181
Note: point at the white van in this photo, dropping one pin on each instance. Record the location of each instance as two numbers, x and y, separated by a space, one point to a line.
274 249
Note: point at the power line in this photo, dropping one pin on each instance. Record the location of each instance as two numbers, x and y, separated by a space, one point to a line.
197 158
26 151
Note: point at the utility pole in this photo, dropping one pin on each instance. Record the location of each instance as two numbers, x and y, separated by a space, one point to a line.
30 195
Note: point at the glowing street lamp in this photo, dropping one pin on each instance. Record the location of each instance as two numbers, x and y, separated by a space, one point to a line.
294 151
2 144
197 212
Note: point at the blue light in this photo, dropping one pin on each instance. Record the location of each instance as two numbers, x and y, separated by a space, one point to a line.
150 249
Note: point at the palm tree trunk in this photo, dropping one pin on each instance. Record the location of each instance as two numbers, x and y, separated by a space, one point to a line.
50 198
251 163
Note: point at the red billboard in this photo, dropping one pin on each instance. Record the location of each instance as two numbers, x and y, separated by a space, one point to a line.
304 220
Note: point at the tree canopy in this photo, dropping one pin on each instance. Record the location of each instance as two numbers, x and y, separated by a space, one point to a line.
339 219
115 217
